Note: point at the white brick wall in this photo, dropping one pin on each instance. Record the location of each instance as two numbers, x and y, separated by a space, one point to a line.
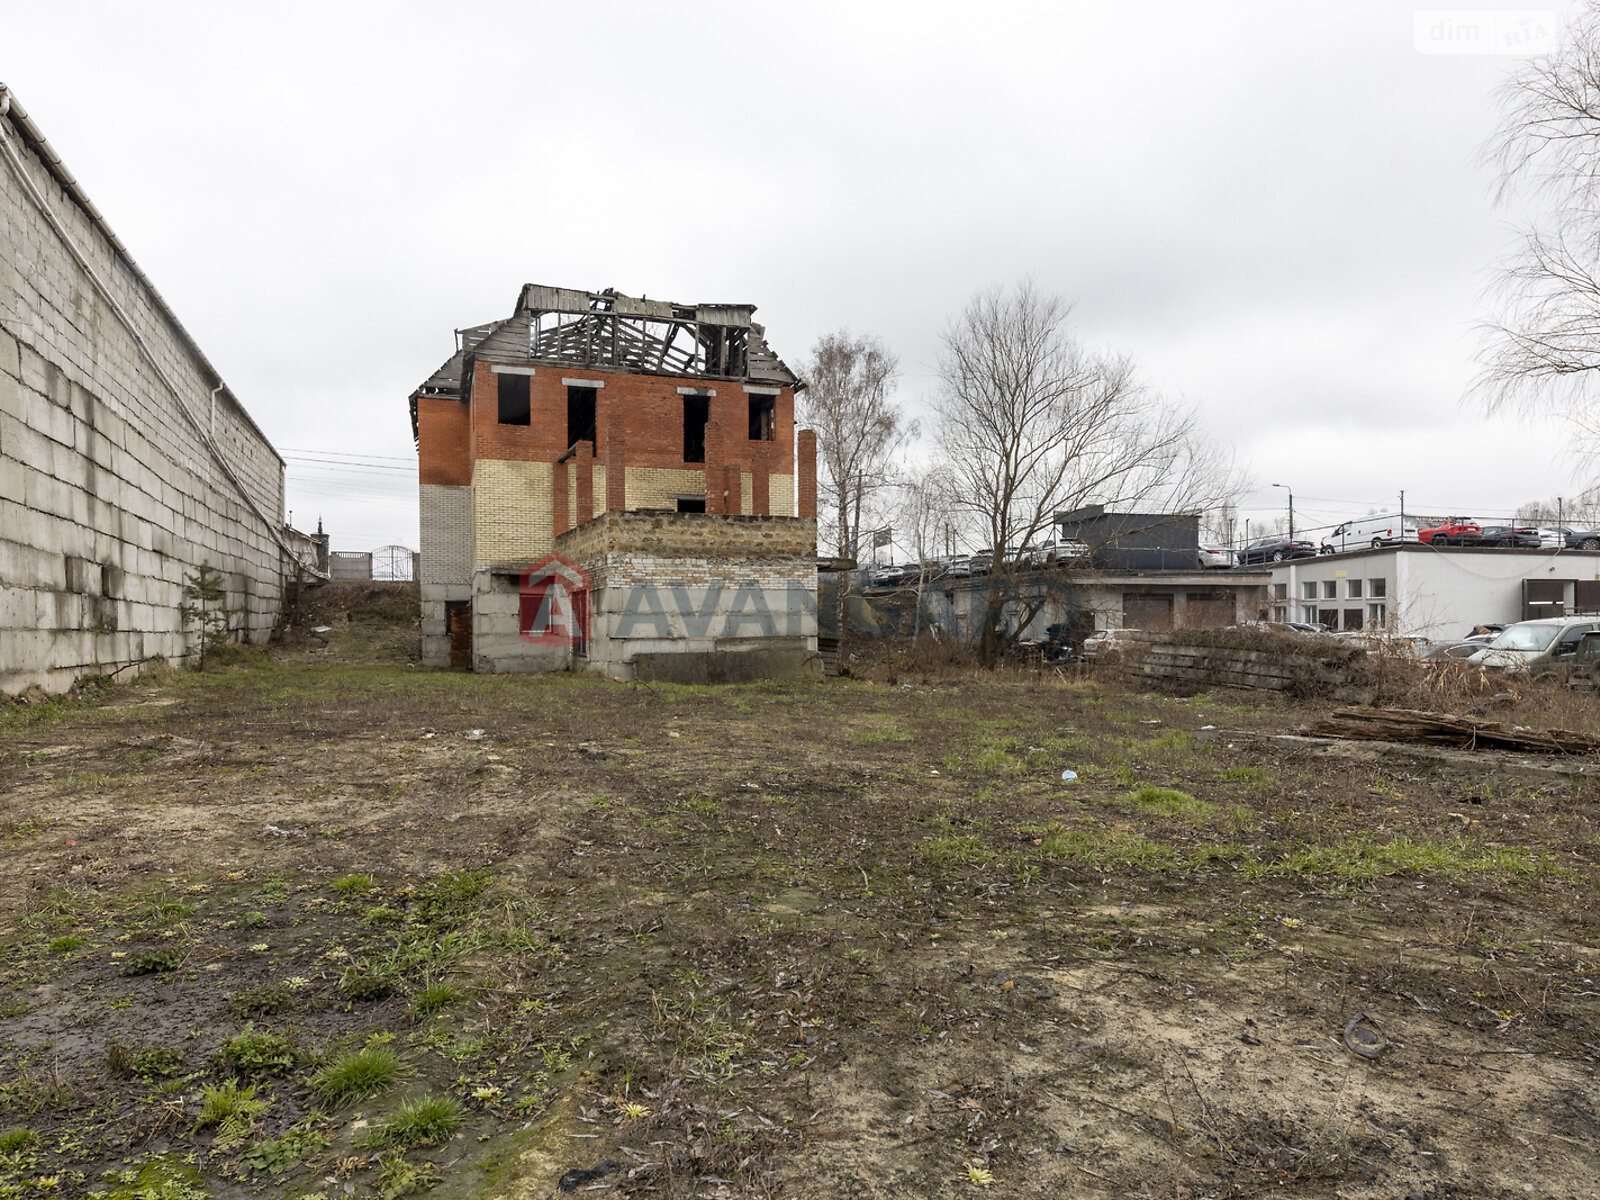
99 466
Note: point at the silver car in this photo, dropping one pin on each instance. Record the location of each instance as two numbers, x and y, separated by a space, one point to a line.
1546 646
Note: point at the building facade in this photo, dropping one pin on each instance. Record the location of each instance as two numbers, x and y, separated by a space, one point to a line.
1417 590
126 463
581 405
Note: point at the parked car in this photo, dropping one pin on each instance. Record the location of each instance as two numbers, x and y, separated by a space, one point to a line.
1056 550
1276 549
885 577
1546 646
1583 539
1455 651
1106 643
1216 556
1456 531
1369 532
1509 537
980 562
950 566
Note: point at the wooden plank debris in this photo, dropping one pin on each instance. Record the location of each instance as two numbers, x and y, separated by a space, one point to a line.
1446 729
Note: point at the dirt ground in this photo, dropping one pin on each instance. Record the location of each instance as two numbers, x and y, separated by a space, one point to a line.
323 922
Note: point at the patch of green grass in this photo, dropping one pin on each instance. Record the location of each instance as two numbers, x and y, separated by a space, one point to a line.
425 1122
357 1074
16 1140
956 848
1202 857
434 997
67 943
877 735
251 1053
449 896
382 914
1247 774
165 912
352 885
252 920
1359 860
1173 742
1107 847
368 980
1169 802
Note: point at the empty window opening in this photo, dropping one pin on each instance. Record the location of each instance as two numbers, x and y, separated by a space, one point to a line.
581 414
696 412
687 505
763 418
515 408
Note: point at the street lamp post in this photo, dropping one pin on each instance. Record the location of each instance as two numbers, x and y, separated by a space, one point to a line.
1290 490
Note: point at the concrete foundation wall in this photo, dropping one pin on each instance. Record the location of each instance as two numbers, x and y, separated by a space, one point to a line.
497 644
435 622
112 489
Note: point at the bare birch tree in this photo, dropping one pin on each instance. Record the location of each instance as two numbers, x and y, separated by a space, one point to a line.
1542 347
849 382
1031 425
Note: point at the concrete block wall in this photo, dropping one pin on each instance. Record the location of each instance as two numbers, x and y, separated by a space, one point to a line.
110 492
497 644
701 587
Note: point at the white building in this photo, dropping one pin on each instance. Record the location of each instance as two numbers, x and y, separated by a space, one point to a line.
1417 590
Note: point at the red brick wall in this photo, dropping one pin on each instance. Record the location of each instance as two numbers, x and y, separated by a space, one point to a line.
651 414
443 444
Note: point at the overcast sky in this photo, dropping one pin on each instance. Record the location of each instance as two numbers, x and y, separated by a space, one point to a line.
1277 209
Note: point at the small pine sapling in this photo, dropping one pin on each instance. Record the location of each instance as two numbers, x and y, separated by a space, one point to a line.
205 606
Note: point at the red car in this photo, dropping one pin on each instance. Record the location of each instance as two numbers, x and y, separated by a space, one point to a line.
1456 531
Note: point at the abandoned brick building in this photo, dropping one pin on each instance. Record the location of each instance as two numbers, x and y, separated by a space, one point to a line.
615 483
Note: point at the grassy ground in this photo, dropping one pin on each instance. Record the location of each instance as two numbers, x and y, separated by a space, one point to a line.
310 927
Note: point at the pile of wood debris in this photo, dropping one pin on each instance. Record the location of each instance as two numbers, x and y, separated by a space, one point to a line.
1445 729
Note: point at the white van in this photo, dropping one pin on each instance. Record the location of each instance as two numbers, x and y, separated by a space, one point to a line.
1370 533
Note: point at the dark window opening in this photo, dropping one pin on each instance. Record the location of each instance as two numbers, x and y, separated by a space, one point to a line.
696 412
515 407
691 506
763 418
581 414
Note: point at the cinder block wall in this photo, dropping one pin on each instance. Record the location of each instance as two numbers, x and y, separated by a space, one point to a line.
109 495
704 588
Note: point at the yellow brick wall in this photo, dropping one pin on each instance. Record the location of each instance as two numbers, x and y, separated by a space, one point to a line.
780 495
659 487
599 489
511 517
746 492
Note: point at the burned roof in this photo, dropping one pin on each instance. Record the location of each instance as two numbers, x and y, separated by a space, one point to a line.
609 331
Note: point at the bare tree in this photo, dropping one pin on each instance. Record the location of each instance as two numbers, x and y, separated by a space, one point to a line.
849 382
1542 346
923 518
1031 425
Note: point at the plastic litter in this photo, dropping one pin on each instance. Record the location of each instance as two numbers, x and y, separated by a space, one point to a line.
476 735
1068 776
321 628
1364 1036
